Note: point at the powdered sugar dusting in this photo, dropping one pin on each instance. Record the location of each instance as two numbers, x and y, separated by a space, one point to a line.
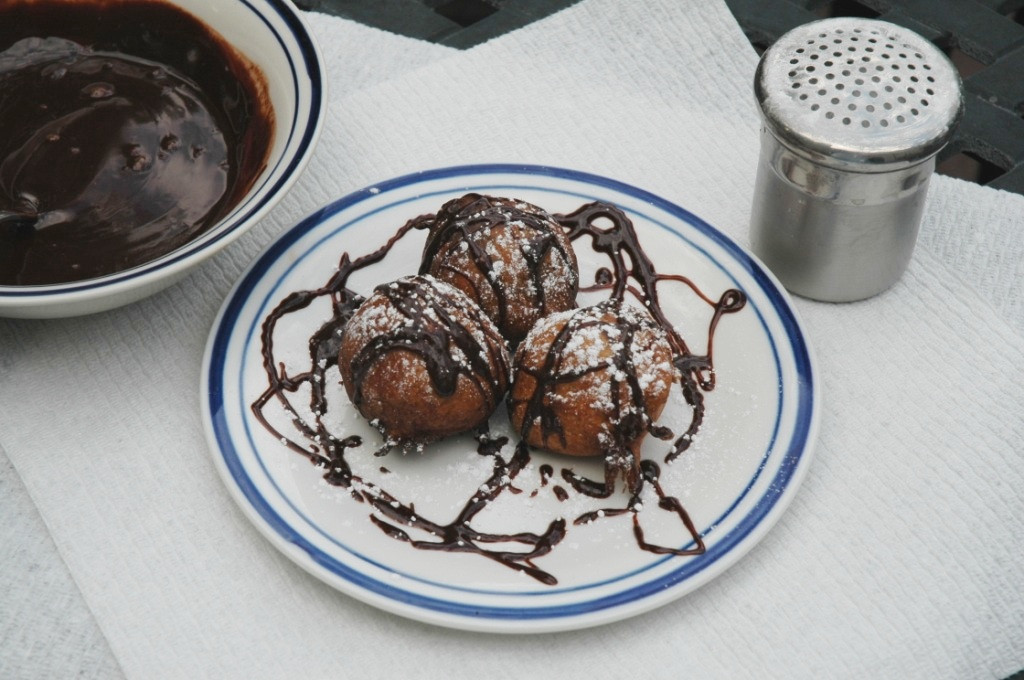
590 381
512 257
418 345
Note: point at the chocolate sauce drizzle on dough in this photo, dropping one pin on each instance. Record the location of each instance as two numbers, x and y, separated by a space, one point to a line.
630 418
432 331
639 278
466 219
395 516
325 450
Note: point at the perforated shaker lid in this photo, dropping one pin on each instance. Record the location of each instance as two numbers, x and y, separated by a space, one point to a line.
859 92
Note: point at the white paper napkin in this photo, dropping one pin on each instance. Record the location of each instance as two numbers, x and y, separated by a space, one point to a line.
46 628
41 609
900 556
979 235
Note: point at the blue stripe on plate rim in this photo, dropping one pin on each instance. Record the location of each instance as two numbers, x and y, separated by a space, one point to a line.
796 452
312 67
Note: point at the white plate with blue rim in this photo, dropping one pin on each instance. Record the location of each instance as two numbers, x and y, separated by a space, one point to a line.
503 568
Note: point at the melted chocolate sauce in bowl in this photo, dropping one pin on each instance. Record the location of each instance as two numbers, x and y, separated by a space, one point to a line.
485 531
140 137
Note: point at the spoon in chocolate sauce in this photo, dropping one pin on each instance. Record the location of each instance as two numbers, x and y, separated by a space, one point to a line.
129 129
18 220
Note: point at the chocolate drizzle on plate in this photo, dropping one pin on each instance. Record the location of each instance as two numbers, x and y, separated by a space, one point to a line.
632 271
629 270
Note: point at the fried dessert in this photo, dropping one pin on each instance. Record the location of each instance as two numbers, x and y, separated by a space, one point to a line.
508 255
420 360
591 381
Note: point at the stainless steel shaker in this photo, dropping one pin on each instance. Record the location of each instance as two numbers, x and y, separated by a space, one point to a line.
854 111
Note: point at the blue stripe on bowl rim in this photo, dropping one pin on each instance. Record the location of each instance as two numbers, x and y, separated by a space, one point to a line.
796 452
313 70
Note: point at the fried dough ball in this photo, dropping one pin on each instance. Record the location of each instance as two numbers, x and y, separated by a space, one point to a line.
591 381
420 360
508 255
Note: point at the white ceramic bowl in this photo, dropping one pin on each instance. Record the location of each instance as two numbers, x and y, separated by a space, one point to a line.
274 36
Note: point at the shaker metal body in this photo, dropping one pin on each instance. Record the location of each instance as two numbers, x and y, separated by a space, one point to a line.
854 112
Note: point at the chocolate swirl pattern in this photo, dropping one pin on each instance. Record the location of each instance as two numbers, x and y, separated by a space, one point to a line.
629 271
